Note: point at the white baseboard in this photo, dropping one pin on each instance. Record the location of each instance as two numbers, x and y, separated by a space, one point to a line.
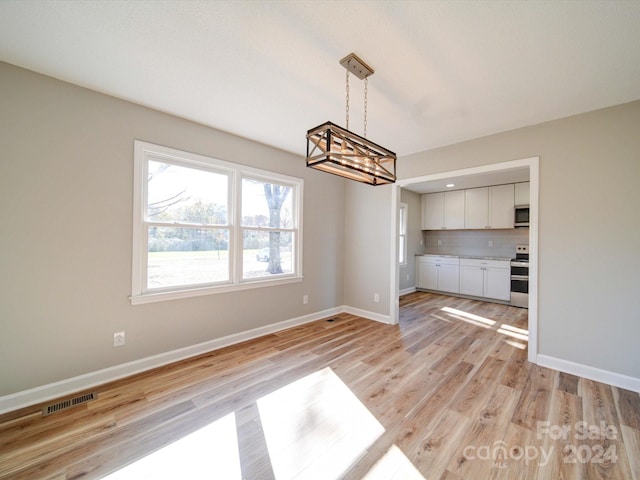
367 314
407 291
592 373
72 385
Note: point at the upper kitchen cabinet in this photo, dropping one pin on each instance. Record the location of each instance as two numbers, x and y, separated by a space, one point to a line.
476 208
444 210
501 198
489 207
522 193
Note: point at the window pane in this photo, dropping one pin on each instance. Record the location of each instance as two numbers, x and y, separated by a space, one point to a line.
266 204
401 249
187 256
186 195
266 253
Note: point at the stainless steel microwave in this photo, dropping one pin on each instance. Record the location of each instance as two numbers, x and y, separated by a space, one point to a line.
521 218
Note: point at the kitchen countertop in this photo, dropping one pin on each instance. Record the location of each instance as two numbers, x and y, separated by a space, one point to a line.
475 257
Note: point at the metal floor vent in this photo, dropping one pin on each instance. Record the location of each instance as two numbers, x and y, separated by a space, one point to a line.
72 402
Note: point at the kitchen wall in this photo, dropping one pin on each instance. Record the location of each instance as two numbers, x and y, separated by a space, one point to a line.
588 230
475 242
66 186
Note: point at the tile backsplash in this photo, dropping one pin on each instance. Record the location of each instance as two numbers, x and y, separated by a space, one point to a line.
475 242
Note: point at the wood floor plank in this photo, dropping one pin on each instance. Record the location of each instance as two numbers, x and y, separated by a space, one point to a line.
534 402
558 434
628 404
436 449
474 395
449 376
631 438
601 418
470 460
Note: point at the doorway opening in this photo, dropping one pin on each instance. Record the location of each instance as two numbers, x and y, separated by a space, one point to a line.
479 174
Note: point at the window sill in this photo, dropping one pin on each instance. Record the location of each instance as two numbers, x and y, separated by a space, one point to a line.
153 297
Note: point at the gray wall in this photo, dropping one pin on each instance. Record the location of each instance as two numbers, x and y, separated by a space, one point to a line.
367 246
66 166
589 228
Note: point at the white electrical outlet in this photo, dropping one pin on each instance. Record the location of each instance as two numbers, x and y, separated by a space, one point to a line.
439 243
376 297
118 339
490 243
305 299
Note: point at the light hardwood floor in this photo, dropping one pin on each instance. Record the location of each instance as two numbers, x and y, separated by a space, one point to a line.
446 394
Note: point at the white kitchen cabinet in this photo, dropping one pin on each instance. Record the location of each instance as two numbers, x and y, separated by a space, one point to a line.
443 210
471 280
454 210
489 207
476 208
497 282
427 275
501 213
522 193
433 211
485 278
438 273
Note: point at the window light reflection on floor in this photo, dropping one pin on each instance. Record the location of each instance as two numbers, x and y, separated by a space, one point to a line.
394 465
504 329
316 428
211 452
469 317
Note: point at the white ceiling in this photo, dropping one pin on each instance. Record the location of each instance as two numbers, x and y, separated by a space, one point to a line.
461 182
445 71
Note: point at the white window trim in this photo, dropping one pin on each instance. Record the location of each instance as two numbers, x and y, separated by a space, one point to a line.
143 151
403 216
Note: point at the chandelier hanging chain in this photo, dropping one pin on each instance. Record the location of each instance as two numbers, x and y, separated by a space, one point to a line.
366 89
336 150
347 100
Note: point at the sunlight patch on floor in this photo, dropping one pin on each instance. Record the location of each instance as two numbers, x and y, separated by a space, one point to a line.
519 345
394 465
316 428
476 320
514 332
211 452
505 329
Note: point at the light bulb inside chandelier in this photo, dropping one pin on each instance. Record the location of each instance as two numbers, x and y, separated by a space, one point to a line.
337 150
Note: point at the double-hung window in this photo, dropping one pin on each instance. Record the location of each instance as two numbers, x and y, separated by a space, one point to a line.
204 226
402 234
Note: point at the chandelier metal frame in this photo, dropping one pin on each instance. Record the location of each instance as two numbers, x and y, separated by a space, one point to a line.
337 150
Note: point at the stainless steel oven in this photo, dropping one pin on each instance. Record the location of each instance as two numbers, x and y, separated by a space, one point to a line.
520 277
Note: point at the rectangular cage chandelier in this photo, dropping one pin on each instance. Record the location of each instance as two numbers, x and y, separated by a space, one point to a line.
337 150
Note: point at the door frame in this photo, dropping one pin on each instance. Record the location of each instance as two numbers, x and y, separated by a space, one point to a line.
533 163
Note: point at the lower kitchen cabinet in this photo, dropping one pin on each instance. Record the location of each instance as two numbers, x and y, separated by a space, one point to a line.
485 278
438 273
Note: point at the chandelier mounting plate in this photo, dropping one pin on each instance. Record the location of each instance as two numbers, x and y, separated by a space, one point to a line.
356 66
